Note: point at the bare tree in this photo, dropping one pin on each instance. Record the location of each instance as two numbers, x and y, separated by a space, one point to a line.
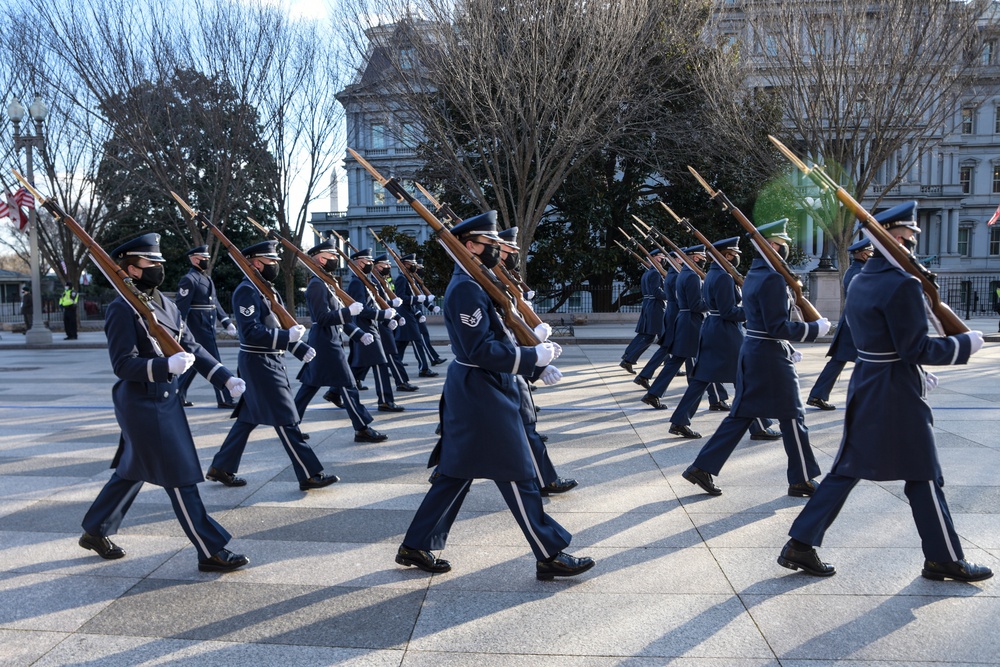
510 94
866 88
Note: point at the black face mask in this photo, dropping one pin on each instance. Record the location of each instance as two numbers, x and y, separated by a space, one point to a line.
367 268
203 264
490 256
511 261
420 271
151 278
735 261
270 272
329 265
783 252
910 244
385 271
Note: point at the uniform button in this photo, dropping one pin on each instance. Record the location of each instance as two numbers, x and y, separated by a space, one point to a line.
166 394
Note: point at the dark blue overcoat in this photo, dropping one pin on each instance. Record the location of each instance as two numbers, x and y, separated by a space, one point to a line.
670 312
482 435
767 383
363 356
329 317
268 398
156 445
387 334
200 308
691 310
411 310
842 348
888 425
654 301
722 332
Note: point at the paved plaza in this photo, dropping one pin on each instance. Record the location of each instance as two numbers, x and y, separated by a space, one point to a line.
681 578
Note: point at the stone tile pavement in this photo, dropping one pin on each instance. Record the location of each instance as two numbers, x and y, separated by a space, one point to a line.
681 579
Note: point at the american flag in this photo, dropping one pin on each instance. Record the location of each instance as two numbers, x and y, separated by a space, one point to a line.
996 216
10 207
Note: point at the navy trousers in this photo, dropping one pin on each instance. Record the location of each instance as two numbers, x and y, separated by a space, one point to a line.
637 347
540 457
303 458
381 374
105 515
716 392
938 539
827 378
696 389
659 356
426 336
358 413
432 522
802 464
423 363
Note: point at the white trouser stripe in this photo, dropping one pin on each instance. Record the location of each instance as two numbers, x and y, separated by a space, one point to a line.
798 444
291 450
187 518
932 486
349 404
524 517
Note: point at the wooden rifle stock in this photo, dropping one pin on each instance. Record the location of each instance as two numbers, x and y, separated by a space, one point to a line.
655 263
711 249
652 239
524 334
880 237
285 319
356 270
307 260
117 276
809 312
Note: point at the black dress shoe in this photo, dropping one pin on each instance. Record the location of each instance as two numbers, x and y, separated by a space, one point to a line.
641 381
544 438
702 479
428 373
766 434
362 387
305 436
532 387
560 485
226 406
562 565
680 374
423 560
684 430
390 407
653 401
721 406
407 387
224 561
802 489
438 362
959 570
627 365
806 560
104 547
227 478
369 435
188 404
335 398
318 481
820 403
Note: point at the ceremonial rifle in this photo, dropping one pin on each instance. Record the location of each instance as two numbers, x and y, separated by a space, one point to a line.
266 290
647 233
676 248
356 270
307 260
712 250
642 260
652 260
496 290
809 312
399 263
163 341
900 257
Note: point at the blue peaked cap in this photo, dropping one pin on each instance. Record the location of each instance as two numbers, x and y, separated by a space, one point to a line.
775 230
863 244
484 224
146 246
904 215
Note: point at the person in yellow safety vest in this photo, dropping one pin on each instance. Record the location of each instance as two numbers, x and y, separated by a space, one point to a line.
68 302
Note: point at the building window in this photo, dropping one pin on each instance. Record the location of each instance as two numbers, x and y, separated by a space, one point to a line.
996 178
407 58
968 117
965 179
964 235
987 54
378 194
408 135
994 241
378 137
996 121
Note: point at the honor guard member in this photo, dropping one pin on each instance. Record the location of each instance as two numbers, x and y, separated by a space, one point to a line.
156 444
842 348
888 425
662 352
329 368
388 328
269 398
718 347
436 359
411 308
766 380
200 308
371 356
480 385
650 324
68 302
691 310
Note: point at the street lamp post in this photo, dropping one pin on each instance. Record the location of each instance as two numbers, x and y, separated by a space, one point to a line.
39 334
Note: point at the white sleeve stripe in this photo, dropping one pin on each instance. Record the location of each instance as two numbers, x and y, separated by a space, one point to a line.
149 370
517 358
958 348
212 372
274 343
806 334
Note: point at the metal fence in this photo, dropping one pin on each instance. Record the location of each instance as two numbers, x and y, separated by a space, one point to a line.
970 296
615 298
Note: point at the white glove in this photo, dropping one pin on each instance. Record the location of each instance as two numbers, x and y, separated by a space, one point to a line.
556 347
530 295
231 329
543 331
402 321
296 333
931 381
388 313
180 362
421 298
309 355
430 298
355 307
397 302
367 339
392 324
796 356
546 353
975 341
529 304
436 309
550 376
236 387
824 326
422 319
